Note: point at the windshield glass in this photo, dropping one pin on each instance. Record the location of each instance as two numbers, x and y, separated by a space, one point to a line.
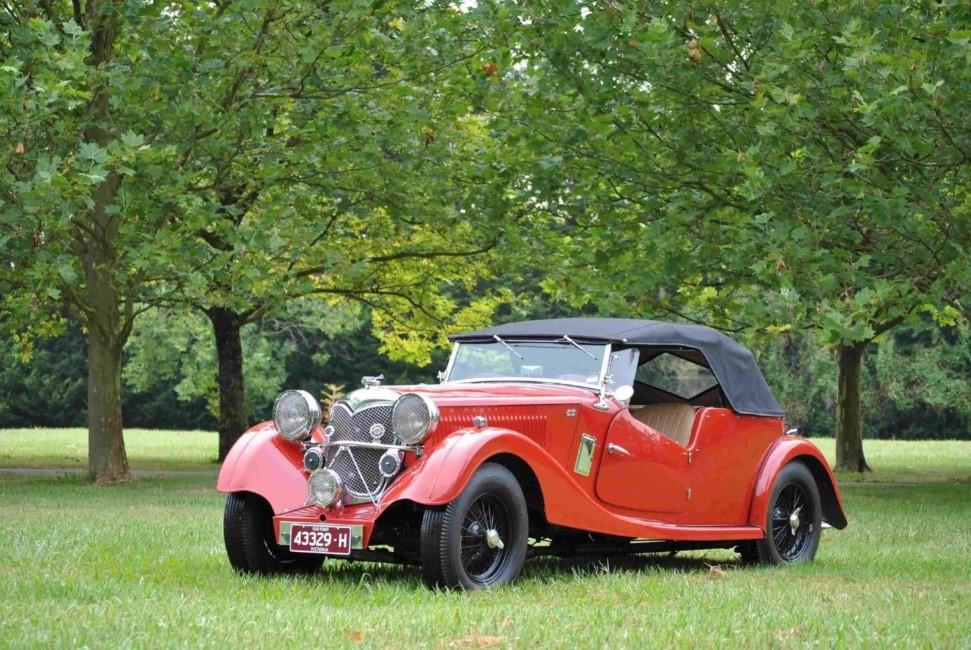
554 361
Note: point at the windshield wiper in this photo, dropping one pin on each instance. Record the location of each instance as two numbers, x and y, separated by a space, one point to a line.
508 347
578 347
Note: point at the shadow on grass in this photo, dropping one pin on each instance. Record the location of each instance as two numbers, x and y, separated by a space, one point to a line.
697 562
538 569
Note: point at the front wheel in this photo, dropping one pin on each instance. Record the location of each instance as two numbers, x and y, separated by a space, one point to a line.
250 543
479 539
794 523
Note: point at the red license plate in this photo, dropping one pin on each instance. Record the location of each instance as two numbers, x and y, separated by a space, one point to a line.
316 538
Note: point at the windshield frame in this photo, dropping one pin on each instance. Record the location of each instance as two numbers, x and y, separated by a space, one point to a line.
601 378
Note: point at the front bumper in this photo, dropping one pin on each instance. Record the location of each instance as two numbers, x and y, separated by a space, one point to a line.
359 519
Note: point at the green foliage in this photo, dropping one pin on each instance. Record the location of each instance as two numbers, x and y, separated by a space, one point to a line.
178 354
234 157
914 384
765 165
57 162
922 374
348 163
50 388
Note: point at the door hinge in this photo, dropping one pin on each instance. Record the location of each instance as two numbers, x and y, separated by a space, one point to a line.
687 494
689 457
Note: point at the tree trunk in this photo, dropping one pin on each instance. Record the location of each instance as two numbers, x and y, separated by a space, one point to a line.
226 326
108 329
107 460
107 318
849 415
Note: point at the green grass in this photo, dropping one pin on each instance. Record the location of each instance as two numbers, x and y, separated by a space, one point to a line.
142 565
147 449
908 461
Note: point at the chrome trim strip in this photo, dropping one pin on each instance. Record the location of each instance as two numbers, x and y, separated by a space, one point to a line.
365 398
603 366
451 361
357 532
368 445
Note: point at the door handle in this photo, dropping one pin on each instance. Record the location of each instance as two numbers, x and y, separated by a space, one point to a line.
617 450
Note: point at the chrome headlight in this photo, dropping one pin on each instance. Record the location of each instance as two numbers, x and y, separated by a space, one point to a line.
324 487
413 417
295 414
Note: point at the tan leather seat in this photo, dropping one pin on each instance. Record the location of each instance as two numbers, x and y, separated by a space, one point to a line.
673 420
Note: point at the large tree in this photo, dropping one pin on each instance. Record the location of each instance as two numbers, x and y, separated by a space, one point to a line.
233 156
78 226
343 159
766 166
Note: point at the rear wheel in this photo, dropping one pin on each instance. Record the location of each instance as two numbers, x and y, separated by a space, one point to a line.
479 539
250 543
794 522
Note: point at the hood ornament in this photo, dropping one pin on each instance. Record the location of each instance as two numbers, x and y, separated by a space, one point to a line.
371 381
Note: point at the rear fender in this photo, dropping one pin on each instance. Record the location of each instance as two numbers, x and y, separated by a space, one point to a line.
786 450
263 463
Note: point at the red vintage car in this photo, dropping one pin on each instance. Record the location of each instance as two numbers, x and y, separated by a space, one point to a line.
551 437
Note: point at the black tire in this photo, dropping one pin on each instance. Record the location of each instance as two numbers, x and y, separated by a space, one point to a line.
250 544
794 522
458 548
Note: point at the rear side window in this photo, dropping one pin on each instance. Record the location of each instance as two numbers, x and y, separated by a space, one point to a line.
676 375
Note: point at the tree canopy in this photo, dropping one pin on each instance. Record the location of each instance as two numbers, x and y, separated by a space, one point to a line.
766 167
775 169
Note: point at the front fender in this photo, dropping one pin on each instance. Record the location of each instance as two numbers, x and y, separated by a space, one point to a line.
441 474
264 463
786 450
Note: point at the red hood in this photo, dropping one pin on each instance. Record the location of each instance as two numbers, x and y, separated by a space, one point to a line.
532 409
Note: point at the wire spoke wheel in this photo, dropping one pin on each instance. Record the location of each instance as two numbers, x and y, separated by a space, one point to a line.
478 540
794 520
793 523
486 521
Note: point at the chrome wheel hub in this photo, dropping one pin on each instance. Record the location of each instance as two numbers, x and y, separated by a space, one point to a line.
794 521
493 539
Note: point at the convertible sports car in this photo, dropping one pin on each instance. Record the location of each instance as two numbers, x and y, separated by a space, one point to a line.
550 437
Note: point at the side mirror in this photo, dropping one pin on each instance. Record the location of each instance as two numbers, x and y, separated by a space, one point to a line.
624 393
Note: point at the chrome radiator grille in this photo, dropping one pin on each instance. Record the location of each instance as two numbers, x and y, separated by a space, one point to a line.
358 467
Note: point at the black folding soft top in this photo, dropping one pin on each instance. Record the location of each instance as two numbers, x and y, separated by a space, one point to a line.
733 365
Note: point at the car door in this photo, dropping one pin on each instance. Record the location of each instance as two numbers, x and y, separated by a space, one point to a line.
725 456
642 469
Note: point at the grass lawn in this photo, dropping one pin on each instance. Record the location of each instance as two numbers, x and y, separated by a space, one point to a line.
143 565
148 449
